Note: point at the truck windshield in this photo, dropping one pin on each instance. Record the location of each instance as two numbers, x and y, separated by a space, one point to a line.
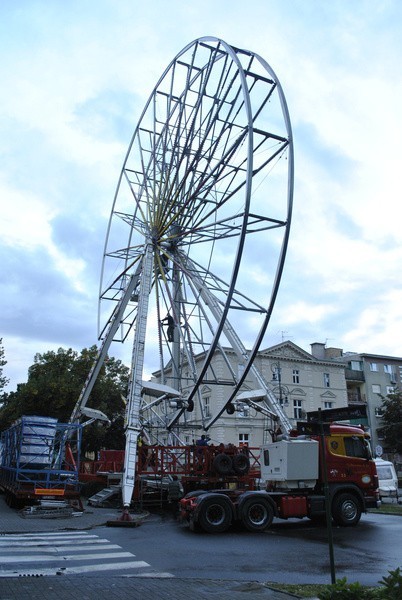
357 446
384 472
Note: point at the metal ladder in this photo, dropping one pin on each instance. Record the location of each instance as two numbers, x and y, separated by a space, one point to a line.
101 498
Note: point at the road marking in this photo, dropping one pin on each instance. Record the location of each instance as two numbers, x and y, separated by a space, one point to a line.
64 557
137 564
56 549
23 555
42 544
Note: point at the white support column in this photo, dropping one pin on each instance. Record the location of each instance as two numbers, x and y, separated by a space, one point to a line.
137 364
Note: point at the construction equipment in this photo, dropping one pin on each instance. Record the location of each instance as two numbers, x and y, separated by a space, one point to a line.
40 460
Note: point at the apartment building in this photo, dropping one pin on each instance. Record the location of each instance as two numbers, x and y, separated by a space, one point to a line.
300 381
368 378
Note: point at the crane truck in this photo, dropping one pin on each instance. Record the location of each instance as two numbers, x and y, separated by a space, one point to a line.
299 471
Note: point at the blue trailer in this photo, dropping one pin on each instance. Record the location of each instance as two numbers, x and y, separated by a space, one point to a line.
39 461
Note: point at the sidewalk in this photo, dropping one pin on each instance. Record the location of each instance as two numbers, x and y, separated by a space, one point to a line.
118 587
136 588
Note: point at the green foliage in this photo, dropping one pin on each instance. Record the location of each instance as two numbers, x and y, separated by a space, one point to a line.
55 381
3 362
391 589
342 590
391 422
392 585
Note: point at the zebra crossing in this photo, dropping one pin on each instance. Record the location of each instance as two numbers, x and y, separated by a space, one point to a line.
69 553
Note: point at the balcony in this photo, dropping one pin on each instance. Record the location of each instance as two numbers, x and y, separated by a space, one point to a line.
355 397
352 375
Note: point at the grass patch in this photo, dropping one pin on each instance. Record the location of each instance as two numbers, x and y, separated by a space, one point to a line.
308 590
387 509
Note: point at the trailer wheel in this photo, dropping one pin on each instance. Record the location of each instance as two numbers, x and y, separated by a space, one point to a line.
257 514
223 464
241 464
346 510
10 500
215 515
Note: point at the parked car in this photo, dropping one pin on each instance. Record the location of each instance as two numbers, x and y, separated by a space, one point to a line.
387 479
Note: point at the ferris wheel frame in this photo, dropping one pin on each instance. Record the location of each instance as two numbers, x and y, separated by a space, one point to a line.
185 167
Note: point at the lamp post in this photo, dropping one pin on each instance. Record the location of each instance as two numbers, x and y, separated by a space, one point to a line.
283 390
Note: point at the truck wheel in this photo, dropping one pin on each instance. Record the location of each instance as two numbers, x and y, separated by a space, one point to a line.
346 510
241 464
222 464
215 515
256 514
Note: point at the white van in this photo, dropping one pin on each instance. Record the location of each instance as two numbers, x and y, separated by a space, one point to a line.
387 479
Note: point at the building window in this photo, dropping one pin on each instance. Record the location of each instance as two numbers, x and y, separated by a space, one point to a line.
328 404
373 367
379 412
244 439
207 407
390 389
388 369
356 365
375 388
326 380
296 376
297 409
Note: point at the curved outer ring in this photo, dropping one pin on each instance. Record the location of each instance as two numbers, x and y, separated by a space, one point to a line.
231 52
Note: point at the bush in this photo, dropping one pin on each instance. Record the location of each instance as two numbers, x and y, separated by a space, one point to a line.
391 589
392 585
341 590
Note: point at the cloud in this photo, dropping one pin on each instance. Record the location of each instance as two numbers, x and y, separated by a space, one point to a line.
74 83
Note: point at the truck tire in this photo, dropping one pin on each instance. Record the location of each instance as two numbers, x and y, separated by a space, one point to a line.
223 464
346 510
256 514
215 515
241 464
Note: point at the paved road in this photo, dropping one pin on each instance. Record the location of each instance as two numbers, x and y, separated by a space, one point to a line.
67 552
171 558
293 551
77 557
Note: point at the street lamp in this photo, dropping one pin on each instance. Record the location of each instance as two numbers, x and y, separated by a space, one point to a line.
283 390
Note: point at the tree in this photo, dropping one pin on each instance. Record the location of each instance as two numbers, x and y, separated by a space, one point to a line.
391 426
3 362
55 381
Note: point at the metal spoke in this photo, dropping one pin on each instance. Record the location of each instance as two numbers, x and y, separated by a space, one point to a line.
207 178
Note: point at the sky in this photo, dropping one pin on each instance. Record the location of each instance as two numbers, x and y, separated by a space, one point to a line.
75 77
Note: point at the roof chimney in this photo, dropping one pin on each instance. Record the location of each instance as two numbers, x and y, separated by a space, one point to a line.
333 352
318 350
